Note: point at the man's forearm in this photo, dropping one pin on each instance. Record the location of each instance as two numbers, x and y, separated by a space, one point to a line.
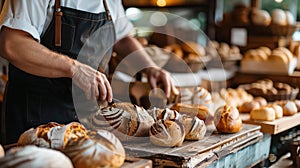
21 50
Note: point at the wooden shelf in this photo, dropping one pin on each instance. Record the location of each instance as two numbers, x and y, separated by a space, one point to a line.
276 126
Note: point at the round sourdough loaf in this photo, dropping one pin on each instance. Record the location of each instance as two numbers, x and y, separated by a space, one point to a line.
227 119
31 156
167 133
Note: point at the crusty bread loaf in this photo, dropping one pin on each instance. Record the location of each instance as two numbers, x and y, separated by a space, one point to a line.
125 120
100 149
164 114
195 128
167 133
37 136
247 107
202 112
289 107
297 103
193 47
32 156
59 136
52 135
227 119
263 113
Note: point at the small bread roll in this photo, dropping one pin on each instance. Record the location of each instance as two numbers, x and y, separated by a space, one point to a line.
278 110
33 156
247 107
278 57
167 133
297 103
202 112
195 128
279 17
289 108
290 19
262 101
267 50
260 17
263 113
176 49
193 47
227 119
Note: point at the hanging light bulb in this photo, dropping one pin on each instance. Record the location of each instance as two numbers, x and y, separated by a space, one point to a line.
161 3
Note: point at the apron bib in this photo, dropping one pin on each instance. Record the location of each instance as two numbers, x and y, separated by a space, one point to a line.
33 100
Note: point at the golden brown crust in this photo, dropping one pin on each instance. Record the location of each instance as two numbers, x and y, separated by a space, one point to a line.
247 107
200 111
263 113
227 119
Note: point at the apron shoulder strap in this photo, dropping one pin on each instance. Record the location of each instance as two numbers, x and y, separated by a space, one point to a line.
58 14
106 10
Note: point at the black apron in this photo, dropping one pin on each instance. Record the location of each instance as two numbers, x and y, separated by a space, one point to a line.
32 100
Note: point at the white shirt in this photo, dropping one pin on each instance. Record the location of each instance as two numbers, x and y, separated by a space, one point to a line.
34 16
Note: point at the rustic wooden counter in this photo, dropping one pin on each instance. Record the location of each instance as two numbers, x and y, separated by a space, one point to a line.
207 151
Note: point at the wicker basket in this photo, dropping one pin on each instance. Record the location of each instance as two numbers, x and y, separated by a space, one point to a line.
288 30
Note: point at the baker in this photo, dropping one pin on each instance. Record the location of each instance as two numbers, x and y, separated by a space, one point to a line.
57 46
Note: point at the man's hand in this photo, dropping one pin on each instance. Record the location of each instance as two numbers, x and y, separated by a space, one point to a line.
156 76
92 82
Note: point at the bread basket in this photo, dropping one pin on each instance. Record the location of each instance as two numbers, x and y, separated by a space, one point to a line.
287 30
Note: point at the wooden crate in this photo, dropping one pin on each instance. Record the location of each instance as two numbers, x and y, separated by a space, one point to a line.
196 153
132 162
276 126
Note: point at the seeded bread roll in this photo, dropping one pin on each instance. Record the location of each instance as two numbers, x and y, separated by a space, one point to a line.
125 120
202 112
227 119
37 136
263 113
195 128
99 149
167 133
31 156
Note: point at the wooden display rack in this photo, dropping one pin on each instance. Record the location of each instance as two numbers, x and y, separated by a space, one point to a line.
198 153
276 126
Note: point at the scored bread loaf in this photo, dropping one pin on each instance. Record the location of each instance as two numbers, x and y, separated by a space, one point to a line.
99 149
37 136
202 112
164 114
227 119
263 113
31 156
201 96
125 120
195 128
167 133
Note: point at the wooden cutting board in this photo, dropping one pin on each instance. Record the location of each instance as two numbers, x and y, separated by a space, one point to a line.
276 126
196 153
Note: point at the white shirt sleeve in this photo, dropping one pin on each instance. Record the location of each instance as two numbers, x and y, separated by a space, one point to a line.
123 26
26 15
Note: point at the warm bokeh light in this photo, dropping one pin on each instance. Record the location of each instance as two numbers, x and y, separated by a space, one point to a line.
278 1
161 3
